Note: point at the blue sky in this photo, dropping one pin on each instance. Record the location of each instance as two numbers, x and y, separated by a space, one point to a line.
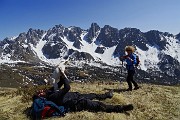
18 16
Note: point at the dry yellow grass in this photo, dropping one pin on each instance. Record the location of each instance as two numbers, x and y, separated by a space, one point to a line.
151 102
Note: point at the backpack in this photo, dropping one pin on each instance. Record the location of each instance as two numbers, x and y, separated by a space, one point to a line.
137 60
42 108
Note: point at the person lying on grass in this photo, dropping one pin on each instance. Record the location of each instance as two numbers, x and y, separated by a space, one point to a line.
75 101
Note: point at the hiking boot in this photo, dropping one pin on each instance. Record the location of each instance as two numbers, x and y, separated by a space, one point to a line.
109 94
129 89
136 88
122 108
127 107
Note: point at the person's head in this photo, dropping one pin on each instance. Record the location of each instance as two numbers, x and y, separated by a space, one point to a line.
129 49
39 93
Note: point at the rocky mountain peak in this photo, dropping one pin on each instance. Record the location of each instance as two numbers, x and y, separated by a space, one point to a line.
108 36
21 38
131 36
33 36
57 29
167 34
92 32
130 30
94 25
156 38
178 36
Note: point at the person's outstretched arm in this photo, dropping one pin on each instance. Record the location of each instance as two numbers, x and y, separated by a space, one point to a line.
55 77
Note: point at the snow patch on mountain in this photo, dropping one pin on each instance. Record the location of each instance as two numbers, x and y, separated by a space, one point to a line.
38 49
149 58
70 44
6 59
172 48
6 45
13 38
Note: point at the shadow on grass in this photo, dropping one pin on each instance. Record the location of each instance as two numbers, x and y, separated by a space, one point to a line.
27 112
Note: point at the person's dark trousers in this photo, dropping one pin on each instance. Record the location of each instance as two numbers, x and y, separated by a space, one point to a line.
57 96
130 79
92 96
95 106
75 100
77 96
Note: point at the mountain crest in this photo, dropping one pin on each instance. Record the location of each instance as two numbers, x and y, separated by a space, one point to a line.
96 44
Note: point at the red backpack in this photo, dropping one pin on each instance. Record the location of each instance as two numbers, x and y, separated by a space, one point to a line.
47 112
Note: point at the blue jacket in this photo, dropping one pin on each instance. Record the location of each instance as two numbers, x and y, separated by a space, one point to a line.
38 106
130 64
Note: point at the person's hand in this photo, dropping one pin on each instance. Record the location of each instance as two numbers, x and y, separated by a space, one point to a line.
130 59
121 58
47 81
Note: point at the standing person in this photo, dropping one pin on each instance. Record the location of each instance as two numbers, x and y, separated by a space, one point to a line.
130 66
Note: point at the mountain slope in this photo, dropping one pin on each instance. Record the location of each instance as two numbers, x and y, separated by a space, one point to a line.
158 51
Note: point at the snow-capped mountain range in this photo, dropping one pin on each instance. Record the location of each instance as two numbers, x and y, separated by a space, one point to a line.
158 51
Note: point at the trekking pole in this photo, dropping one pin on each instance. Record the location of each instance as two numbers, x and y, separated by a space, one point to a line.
121 59
120 86
121 66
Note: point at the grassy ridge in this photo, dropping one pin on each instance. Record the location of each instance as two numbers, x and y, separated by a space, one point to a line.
151 102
